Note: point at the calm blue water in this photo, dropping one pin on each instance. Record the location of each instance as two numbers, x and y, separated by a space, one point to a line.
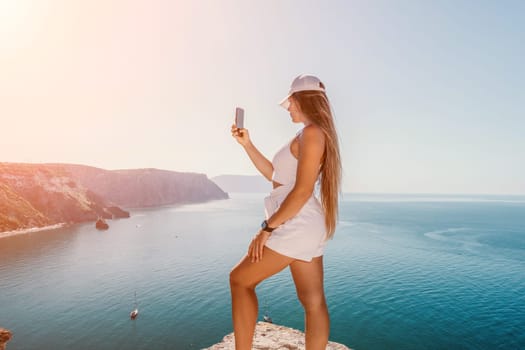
403 272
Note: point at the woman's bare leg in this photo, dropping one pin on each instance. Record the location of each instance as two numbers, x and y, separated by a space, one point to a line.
243 280
308 278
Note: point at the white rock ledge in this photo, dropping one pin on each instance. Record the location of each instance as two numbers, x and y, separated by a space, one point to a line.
269 336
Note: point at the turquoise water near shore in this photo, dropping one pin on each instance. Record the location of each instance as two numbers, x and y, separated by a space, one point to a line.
403 272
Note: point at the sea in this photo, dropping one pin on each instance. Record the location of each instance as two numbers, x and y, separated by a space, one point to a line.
402 272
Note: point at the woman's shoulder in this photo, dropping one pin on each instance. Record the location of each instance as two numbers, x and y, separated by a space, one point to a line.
311 132
313 136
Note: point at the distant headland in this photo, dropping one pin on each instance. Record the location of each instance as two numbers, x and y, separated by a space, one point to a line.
45 195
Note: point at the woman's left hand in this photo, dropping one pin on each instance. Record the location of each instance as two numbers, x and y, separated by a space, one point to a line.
255 251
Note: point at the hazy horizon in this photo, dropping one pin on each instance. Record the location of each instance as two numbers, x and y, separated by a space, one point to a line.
427 95
439 194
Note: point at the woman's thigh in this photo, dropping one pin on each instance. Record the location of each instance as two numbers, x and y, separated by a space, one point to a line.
308 278
249 274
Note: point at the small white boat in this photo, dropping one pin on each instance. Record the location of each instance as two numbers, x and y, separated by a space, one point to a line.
266 317
133 314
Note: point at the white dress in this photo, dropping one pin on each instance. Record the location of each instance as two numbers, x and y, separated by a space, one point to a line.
303 236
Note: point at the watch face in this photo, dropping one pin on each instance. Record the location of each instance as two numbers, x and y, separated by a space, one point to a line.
265 226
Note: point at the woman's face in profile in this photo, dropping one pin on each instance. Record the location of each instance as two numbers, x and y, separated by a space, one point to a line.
295 111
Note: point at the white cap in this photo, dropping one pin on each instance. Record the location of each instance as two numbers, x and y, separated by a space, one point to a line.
303 82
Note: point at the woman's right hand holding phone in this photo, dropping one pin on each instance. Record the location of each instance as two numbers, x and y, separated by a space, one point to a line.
241 135
259 160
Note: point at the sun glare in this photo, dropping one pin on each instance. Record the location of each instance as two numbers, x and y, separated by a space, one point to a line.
12 13
15 17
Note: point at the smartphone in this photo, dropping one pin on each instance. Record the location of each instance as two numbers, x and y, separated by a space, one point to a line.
239 117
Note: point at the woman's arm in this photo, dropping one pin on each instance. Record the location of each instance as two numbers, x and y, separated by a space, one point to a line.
311 148
262 164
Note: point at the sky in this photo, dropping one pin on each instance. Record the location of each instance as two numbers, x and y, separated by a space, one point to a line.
427 95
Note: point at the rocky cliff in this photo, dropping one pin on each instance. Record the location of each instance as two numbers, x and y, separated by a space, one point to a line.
36 195
269 336
146 187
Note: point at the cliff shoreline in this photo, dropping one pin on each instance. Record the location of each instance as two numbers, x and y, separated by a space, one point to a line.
23 231
34 197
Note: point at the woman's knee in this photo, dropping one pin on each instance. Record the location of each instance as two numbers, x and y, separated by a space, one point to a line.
312 301
238 280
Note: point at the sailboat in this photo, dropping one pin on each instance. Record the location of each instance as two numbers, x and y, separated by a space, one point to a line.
133 314
266 317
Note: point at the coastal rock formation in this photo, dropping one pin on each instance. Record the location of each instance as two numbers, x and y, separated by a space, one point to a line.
17 212
38 195
269 336
146 187
5 335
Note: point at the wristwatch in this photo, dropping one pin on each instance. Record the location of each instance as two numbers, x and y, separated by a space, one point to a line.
267 228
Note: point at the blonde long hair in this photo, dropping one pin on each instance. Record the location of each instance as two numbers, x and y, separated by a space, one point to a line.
315 105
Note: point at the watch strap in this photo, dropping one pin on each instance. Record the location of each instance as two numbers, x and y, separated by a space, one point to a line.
267 228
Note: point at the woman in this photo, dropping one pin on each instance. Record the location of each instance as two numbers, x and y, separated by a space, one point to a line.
297 225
